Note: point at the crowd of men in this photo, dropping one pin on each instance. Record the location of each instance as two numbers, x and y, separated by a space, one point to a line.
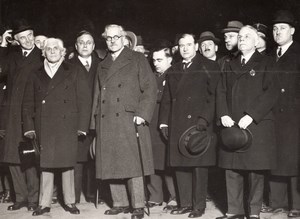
150 129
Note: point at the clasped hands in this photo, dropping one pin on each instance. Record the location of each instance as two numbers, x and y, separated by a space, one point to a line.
244 122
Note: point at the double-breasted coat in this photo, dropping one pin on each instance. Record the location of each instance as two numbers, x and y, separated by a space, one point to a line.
188 96
249 90
85 142
287 112
124 88
56 109
18 70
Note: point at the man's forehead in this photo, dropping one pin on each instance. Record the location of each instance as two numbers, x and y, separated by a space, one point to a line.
159 54
24 33
231 34
186 39
85 37
247 30
207 42
52 43
281 25
113 31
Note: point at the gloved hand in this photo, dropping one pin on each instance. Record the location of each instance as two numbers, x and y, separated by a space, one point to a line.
2 133
165 132
245 121
30 134
227 121
139 120
201 124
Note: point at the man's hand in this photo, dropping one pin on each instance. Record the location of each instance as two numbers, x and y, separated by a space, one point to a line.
165 132
6 35
245 121
30 134
81 133
139 120
2 133
227 121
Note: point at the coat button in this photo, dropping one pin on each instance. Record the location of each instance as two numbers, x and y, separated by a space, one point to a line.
119 85
281 110
189 116
104 88
118 99
174 99
102 116
282 90
103 101
43 102
117 114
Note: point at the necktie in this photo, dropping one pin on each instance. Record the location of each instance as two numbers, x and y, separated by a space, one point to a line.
243 62
279 52
87 66
25 54
186 65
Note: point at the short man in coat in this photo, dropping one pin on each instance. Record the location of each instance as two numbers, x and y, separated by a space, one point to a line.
124 96
284 183
245 96
87 61
18 63
162 60
56 110
189 99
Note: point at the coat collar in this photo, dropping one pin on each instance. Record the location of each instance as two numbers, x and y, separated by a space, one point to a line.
252 62
293 49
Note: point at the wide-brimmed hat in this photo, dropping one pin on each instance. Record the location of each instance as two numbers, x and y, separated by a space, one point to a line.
236 139
207 35
261 29
132 37
194 143
233 26
284 16
20 26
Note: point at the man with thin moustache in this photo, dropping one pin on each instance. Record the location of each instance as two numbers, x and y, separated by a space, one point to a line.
124 100
18 65
208 45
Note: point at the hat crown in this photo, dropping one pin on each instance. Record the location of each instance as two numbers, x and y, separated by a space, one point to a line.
261 28
234 24
284 16
20 26
207 34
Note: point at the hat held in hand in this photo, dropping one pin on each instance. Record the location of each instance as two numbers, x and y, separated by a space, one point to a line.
194 143
236 139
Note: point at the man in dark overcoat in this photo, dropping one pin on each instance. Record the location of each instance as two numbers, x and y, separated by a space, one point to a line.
124 96
189 99
18 64
284 183
245 97
56 109
162 60
87 61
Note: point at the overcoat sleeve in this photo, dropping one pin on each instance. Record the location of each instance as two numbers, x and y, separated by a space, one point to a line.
221 100
96 94
28 106
165 105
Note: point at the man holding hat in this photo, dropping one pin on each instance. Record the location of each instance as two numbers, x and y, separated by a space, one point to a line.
286 175
189 100
18 65
208 45
231 40
245 97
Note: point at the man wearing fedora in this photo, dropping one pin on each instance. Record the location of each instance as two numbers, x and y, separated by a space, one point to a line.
188 100
208 45
18 65
245 96
230 36
284 183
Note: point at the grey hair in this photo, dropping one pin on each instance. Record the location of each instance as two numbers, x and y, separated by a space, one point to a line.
60 44
254 31
121 29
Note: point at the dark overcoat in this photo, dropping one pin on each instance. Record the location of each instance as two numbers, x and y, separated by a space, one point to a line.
85 142
188 96
124 88
18 69
159 143
56 108
249 90
287 112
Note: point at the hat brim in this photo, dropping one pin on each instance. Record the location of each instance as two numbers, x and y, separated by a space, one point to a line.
133 38
182 147
230 29
284 22
22 29
215 40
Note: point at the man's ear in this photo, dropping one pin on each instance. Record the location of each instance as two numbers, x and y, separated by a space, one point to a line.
197 46
293 30
216 48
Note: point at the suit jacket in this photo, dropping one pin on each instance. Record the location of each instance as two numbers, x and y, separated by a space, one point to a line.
84 142
249 90
18 69
124 88
287 112
56 108
188 96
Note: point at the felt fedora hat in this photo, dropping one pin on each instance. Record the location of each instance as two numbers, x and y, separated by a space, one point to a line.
233 26
207 35
261 29
236 139
20 25
194 143
284 16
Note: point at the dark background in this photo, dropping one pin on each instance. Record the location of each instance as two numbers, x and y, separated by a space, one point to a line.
150 18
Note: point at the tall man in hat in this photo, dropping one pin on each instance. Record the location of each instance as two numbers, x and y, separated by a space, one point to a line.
19 64
245 97
284 182
230 36
125 95
208 45
189 100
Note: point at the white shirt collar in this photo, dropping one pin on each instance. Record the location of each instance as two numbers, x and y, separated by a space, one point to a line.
27 50
247 57
84 60
116 54
284 48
